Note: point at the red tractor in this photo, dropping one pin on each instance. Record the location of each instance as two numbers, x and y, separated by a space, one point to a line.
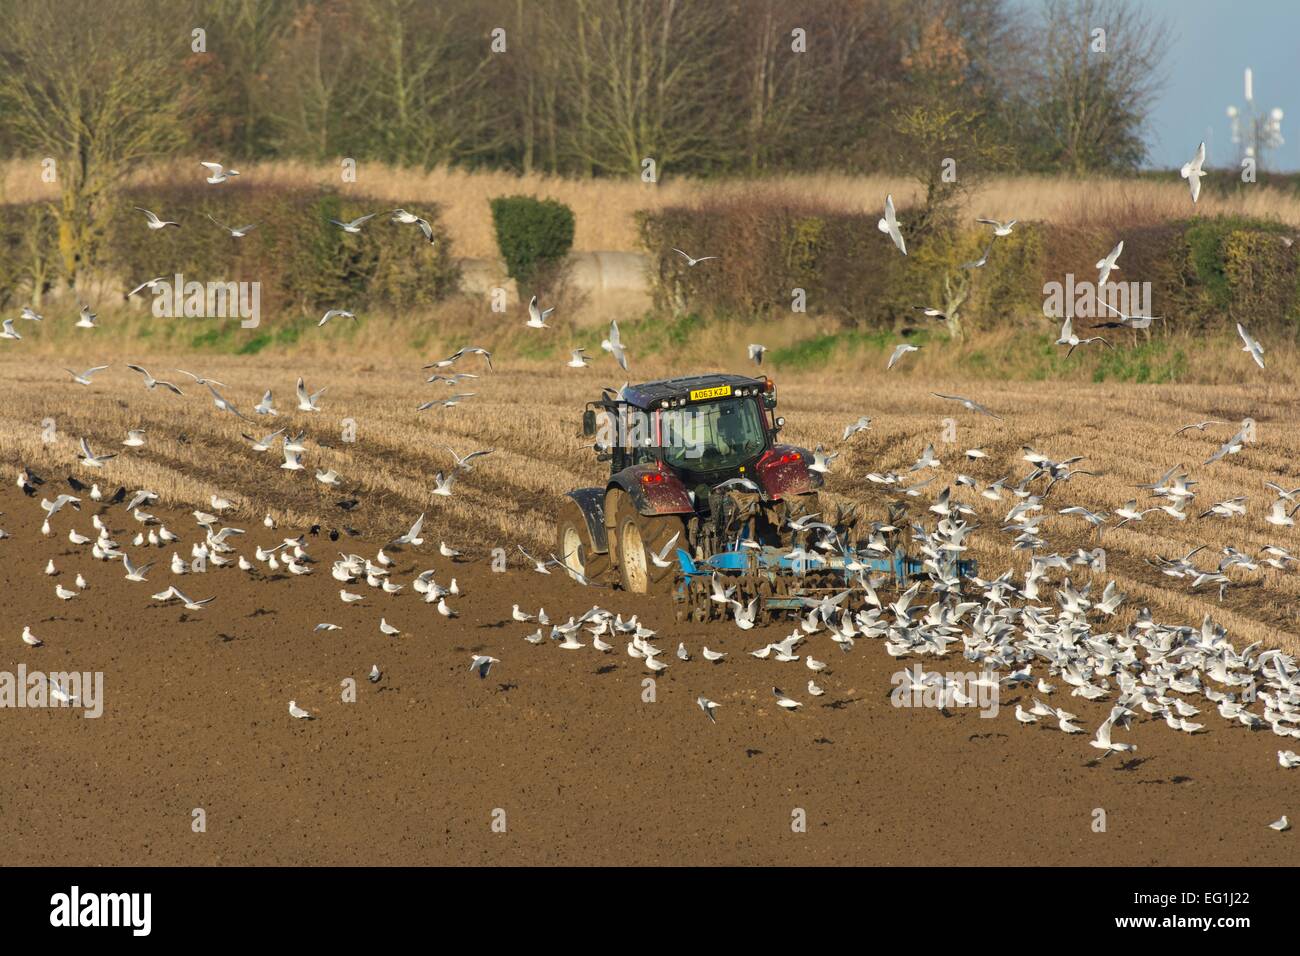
692 462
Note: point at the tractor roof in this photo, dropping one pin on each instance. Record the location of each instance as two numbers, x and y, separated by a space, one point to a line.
652 393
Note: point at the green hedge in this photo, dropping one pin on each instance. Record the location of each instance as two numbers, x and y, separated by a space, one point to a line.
533 235
847 268
302 260
1201 270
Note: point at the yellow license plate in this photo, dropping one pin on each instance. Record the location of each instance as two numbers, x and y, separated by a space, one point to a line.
702 393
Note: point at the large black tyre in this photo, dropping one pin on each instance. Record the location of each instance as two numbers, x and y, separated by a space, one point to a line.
638 536
574 546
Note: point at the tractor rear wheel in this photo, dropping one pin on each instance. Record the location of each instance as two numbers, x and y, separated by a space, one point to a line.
574 546
638 537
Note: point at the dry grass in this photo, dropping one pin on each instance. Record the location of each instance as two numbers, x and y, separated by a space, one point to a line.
528 413
605 208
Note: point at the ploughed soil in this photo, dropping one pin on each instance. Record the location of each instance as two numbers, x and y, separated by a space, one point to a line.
559 745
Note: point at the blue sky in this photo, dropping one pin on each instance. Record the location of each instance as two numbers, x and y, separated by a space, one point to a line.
1212 42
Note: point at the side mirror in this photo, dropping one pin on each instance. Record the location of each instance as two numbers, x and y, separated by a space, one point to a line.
589 423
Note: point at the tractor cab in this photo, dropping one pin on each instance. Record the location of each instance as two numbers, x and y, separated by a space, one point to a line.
680 451
703 428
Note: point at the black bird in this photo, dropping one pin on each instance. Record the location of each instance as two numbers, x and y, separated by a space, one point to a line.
119 496
28 482
334 535
347 504
77 485
314 529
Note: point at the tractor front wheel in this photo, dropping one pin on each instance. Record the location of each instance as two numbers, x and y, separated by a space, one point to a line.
574 544
640 536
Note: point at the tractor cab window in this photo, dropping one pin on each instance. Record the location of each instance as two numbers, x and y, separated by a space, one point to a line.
713 436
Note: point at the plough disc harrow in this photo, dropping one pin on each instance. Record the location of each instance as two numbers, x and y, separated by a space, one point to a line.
786 584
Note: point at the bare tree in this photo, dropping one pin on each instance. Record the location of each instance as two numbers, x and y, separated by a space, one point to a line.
1093 90
420 82
82 84
648 69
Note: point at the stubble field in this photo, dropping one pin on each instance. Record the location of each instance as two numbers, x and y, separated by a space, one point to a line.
562 741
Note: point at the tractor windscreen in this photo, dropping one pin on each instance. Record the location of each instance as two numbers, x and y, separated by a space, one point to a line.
713 436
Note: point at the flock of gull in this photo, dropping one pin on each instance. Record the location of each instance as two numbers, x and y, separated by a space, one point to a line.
1052 648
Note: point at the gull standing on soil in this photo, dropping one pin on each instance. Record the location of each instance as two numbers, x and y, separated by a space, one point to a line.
154 222
297 712
783 701
889 224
